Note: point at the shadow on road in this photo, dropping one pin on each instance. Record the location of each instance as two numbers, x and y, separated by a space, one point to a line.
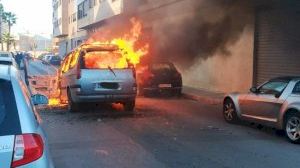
97 112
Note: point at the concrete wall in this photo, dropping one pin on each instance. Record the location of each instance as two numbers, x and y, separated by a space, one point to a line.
224 73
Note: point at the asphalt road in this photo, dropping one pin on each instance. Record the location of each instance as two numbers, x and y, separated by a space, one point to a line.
164 132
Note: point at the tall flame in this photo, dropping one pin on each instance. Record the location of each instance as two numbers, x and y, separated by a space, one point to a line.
130 52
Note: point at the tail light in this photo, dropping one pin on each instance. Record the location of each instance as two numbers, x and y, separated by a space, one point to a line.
78 73
28 148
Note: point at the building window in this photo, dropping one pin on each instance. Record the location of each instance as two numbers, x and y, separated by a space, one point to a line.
91 3
74 17
82 9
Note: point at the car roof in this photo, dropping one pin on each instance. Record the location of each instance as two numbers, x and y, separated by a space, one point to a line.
5 52
108 47
6 59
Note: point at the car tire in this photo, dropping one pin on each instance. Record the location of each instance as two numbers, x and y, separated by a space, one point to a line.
292 127
229 112
72 106
178 93
129 105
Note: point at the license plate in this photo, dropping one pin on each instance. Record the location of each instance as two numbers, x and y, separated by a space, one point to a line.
164 85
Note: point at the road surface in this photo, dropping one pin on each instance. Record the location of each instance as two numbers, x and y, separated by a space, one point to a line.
163 132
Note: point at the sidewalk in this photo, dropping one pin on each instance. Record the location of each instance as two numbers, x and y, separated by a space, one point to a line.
202 95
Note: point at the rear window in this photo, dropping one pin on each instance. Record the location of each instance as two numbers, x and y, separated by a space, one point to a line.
4 55
9 118
104 60
5 62
162 67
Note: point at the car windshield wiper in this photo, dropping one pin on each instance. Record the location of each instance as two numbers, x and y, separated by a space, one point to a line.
111 70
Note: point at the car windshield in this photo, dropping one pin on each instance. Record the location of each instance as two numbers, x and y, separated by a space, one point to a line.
104 60
9 118
273 87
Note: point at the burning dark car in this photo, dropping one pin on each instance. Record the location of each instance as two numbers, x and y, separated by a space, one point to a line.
158 77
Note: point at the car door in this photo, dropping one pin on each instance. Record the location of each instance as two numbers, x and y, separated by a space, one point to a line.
72 72
265 103
9 123
63 80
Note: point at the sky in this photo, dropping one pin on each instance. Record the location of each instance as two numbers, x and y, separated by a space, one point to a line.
33 16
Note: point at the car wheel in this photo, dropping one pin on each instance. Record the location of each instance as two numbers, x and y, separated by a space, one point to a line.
129 105
229 111
178 93
292 128
72 106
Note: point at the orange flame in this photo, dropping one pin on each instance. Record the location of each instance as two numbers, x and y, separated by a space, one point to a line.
128 52
54 102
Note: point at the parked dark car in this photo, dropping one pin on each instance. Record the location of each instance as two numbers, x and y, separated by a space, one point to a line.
55 60
158 77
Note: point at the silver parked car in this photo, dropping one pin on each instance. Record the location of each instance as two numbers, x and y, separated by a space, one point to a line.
22 140
276 103
92 74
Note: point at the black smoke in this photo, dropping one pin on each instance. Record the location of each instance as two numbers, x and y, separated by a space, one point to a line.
213 27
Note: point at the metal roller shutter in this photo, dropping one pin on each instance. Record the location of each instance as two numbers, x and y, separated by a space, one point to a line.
277 42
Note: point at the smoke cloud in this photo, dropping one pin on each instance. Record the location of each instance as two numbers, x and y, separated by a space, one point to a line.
210 28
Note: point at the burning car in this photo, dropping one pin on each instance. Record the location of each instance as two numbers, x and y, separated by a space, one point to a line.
158 77
97 73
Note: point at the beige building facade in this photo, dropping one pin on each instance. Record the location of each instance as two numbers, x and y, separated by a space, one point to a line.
65 31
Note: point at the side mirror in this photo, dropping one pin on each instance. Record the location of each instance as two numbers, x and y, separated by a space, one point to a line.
253 90
39 99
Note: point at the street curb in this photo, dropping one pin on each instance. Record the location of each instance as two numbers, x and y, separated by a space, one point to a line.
203 99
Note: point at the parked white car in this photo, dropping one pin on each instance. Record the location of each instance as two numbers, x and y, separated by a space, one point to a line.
6 58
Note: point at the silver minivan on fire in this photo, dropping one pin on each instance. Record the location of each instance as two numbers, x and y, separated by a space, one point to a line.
95 73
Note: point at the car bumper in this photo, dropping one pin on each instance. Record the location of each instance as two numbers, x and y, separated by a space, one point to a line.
157 89
109 98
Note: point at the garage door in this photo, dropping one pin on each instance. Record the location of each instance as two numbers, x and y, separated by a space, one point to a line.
277 42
